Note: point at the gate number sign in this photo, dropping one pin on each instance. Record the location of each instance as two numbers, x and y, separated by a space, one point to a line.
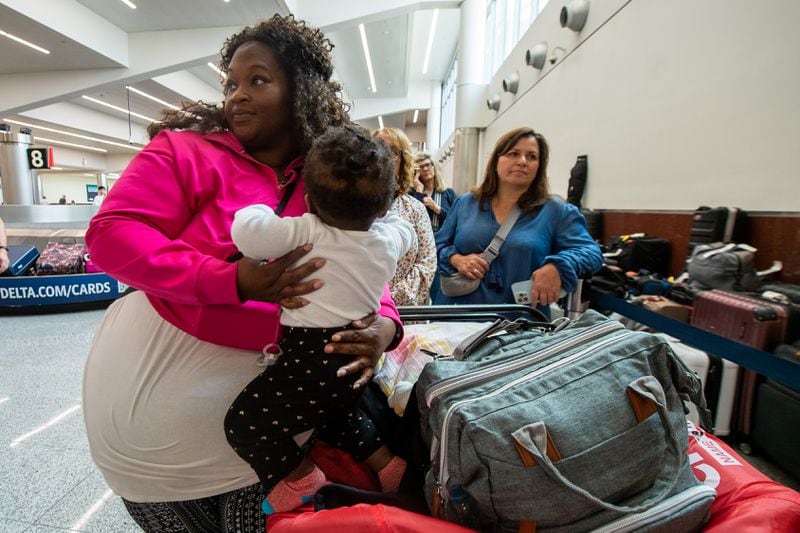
40 158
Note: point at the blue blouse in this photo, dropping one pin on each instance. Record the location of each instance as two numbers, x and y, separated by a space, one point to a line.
554 233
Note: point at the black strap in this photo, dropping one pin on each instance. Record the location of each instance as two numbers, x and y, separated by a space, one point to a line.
287 195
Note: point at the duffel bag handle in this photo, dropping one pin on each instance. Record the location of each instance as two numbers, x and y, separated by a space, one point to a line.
533 438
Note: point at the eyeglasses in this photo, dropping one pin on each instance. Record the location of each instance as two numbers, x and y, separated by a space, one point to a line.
425 166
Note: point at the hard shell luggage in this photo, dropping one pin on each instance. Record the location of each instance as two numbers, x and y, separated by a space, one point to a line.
21 259
717 224
776 424
568 430
757 323
720 390
752 321
594 223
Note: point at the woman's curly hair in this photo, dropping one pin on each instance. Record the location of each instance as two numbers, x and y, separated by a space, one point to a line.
305 56
349 175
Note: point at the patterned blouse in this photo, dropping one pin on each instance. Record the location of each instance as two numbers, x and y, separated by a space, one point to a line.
415 270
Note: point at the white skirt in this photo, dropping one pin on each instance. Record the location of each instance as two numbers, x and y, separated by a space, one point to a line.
154 401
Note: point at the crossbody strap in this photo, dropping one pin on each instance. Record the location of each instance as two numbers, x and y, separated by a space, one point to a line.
493 250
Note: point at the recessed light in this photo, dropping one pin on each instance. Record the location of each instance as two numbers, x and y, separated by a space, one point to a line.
430 41
367 57
215 69
151 97
23 41
129 3
117 108
81 146
78 135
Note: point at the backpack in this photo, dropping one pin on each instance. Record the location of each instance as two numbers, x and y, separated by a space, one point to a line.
567 430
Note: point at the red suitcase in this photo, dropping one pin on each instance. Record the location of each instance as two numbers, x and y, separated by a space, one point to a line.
757 323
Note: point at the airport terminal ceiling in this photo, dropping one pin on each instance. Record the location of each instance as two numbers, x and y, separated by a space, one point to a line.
106 59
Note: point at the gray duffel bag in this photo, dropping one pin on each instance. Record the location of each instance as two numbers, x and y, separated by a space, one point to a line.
570 430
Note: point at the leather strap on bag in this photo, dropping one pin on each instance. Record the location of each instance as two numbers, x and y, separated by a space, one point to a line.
493 250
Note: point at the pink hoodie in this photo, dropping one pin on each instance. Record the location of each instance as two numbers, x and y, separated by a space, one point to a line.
165 229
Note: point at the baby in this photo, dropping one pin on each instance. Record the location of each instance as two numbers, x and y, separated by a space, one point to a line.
349 183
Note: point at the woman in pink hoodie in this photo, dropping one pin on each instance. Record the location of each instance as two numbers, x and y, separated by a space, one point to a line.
169 359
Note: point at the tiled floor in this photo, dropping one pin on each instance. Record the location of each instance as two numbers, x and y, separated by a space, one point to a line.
48 481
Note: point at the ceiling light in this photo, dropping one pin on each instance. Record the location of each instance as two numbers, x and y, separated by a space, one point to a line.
153 98
380 122
216 69
23 41
120 109
430 42
81 146
129 3
62 132
416 115
367 57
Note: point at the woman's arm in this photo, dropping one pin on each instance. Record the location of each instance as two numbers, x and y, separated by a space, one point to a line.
369 338
417 283
576 253
135 237
448 199
445 239
4 260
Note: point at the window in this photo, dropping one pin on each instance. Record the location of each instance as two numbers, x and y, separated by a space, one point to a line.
506 23
448 112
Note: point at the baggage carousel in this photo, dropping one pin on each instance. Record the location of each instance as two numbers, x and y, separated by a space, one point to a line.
31 294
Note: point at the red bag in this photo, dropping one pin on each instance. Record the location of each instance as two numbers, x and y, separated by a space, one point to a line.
361 518
339 467
747 500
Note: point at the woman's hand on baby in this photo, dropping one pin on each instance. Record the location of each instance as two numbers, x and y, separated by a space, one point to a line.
365 342
472 266
275 282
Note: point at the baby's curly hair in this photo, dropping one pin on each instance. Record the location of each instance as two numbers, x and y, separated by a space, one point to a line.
305 56
349 176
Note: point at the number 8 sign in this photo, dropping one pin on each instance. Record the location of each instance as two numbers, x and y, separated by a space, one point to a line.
40 158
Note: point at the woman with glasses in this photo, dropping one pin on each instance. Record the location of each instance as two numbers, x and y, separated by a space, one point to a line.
431 190
415 270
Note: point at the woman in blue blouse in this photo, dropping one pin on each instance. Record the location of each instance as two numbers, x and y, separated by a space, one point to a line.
549 243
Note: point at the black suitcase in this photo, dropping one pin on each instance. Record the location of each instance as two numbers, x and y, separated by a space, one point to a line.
717 224
21 259
594 223
776 424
